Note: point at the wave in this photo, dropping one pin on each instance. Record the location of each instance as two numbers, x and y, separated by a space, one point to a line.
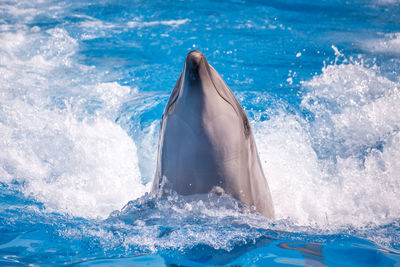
337 165
59 138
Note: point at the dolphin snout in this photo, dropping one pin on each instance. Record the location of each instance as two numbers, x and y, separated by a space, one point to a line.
194 59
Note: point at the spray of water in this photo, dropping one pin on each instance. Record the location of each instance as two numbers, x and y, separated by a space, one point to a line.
334 167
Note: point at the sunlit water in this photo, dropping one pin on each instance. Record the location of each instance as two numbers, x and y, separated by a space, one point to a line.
82 89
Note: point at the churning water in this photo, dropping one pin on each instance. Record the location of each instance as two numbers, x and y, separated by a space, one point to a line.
82 89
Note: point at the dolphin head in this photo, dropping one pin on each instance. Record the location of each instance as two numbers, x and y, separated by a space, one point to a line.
200 86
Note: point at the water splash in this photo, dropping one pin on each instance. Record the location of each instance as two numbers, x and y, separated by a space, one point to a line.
59 138
338 166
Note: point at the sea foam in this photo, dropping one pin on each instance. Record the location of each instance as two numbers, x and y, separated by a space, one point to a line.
59 141
339 166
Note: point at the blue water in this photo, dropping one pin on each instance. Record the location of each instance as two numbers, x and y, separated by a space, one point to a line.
82 89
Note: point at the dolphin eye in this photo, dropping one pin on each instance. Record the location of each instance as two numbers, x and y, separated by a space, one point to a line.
171 108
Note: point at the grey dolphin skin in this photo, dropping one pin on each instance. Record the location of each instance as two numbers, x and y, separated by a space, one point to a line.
206 142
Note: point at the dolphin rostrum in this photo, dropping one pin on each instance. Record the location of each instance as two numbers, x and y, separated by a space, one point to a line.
206 142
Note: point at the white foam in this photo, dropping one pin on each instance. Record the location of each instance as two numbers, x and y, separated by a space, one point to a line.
84 168
93 28
387 2
25 11
172 23
389 44
290 165
341 168
96 24
57 130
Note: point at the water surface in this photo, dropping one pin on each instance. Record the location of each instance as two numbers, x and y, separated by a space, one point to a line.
82 89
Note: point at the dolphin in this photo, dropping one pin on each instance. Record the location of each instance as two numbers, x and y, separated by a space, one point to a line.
206 142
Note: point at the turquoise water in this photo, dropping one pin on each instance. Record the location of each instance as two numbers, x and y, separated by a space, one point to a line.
83 86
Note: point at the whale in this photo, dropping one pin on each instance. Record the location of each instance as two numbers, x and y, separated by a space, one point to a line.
206 143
